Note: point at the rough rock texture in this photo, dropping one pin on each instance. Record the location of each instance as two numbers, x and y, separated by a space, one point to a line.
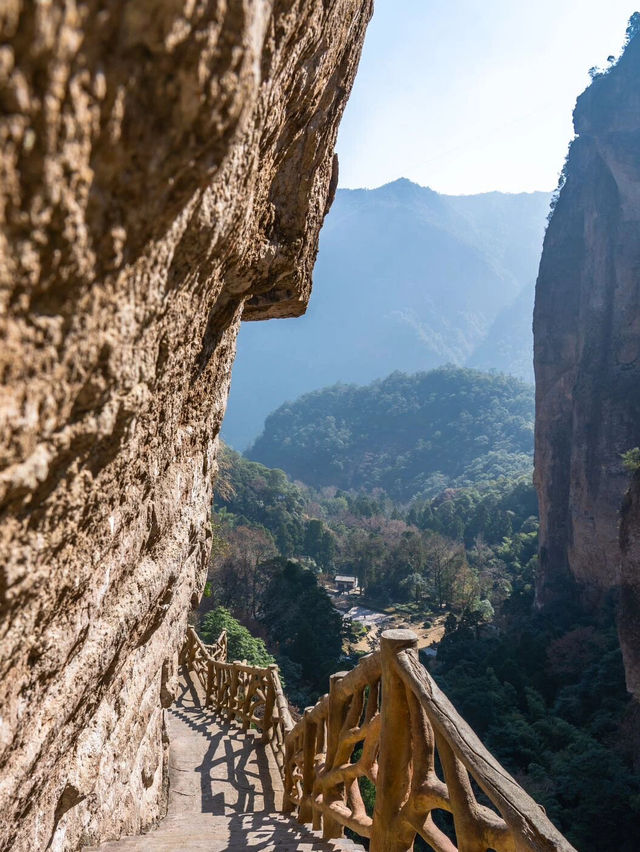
630 585
587 346
165 168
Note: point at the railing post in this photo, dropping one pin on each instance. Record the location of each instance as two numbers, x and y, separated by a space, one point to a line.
184 650
305 812
249 686
224 646
269 704
186 655
193 650
221 685
331 828
287 804
210 683
389 833
233 692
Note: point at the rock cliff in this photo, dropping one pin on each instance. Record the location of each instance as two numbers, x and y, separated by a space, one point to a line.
630 585
166 166
587 348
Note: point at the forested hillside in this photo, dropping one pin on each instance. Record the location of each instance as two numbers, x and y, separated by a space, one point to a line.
406 279
546 693
406 434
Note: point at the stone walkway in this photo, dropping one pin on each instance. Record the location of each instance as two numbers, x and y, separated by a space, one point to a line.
225 792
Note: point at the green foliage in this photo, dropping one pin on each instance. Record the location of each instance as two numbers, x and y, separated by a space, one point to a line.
546 696
463 546
631 460
241 644
248 493
549 701
405 435
302 624
494 512
319 543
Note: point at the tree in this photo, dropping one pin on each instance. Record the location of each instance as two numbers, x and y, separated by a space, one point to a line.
405 435
239 579
465 587
631 459
319 543
443 559
241 644
302 623
415 585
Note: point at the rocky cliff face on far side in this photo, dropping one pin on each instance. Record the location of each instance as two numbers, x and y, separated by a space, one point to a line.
166 167
587 349
630 584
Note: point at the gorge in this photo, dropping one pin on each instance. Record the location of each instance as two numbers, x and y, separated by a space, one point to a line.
166 169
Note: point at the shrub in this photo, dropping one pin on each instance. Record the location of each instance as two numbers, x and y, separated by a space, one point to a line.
631 460
242 645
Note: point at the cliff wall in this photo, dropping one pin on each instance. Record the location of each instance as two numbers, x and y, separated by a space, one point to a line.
587 347
165 169
630 584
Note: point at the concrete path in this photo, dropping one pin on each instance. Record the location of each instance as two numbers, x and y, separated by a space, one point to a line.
224 792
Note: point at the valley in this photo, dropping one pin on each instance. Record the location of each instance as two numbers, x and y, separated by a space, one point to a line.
421 487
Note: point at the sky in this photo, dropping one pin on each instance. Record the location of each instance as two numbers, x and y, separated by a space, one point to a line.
466 96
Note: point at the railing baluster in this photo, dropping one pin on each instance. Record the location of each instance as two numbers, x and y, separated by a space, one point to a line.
249 685
321 726
287 803
233 692
211 676
389 833
305 811
332 828
269 704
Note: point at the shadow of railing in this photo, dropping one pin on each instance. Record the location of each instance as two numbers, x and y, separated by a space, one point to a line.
385 724
232 755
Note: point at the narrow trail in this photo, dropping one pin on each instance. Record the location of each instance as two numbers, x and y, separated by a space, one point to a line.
224 791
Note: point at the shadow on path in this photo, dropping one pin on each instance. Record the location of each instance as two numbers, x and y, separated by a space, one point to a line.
232 757
223 790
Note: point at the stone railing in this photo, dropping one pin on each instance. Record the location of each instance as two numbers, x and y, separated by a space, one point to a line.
385 721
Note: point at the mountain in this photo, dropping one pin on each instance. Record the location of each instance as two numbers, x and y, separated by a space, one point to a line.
509 339
407 435
406 279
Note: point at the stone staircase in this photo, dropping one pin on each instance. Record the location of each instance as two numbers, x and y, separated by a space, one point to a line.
225 791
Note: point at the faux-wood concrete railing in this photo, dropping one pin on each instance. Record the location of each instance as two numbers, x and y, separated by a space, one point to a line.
386 721
250 695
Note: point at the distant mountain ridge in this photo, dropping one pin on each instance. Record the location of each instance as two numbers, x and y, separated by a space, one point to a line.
406 434
406 279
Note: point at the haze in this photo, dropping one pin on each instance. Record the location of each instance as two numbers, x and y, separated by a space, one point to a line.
473 96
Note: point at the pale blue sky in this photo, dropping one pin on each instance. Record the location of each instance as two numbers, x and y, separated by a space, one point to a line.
467 96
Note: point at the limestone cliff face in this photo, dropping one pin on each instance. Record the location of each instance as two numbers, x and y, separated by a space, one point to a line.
165 169
587 343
